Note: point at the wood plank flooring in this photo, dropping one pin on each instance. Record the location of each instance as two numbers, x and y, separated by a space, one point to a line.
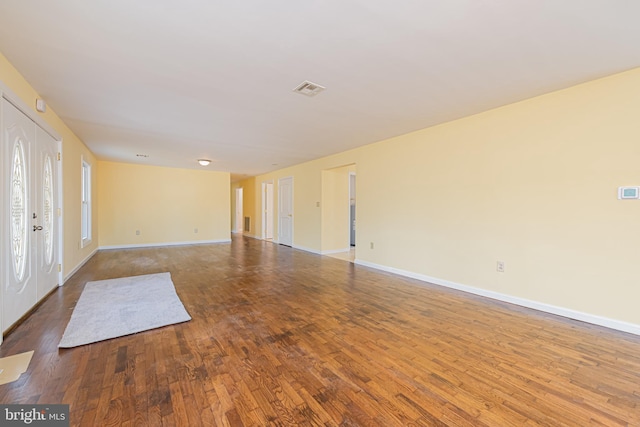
281 337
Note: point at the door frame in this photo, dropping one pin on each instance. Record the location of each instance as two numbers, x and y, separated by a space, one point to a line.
290 179
8 94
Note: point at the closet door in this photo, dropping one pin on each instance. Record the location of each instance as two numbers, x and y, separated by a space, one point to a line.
19 284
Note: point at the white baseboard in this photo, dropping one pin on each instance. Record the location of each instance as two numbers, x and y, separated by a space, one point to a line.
547 308
335 251
79 266
302 248
157 245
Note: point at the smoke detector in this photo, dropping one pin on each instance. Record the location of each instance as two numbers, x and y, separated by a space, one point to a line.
309 88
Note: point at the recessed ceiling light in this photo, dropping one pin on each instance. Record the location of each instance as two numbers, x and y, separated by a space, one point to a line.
204 162
309 88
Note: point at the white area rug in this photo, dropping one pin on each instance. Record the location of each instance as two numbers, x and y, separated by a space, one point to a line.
117 307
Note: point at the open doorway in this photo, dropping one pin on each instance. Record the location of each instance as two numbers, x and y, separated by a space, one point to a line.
338 212
267 210
239 211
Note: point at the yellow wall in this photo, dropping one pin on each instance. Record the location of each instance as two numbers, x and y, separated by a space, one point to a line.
166 205
532 184
72 151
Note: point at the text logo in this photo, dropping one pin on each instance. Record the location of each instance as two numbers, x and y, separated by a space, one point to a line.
34 415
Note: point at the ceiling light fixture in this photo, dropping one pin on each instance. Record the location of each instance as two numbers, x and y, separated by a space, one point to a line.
204 162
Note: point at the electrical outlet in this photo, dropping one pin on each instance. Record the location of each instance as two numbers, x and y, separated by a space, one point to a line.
371 245
137 232
195 230
500 266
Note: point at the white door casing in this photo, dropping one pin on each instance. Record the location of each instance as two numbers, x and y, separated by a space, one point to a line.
285 211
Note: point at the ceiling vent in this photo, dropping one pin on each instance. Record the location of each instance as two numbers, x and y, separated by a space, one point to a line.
308 88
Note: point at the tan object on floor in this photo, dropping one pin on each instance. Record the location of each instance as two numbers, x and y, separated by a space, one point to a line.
11 367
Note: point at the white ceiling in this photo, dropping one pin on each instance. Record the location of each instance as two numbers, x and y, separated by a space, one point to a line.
182 80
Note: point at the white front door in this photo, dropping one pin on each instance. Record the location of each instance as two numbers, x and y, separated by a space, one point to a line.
45 166
285 211
19 290
30 220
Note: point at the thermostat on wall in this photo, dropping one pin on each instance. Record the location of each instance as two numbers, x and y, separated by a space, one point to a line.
628 193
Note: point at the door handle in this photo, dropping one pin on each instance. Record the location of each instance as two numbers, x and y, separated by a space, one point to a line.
37 227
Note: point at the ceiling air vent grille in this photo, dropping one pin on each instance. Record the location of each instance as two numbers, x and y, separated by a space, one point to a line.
309 88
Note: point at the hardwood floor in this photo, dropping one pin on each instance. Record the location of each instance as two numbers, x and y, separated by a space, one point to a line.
284 337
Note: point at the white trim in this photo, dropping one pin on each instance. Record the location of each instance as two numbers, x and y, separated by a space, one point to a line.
302 248
159 245
335 251
547 308
79 266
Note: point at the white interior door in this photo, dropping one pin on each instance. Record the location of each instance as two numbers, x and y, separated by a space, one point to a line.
267 209
19 276
285 211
